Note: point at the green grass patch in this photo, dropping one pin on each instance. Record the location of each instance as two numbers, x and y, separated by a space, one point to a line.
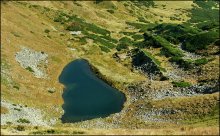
201 61
46 30
142 26
110 11
156 61
181 84
105 49
137 37
50 132
29 69
122 46
16 87
200 41
99 40
125 40
21 120
167 49
186 64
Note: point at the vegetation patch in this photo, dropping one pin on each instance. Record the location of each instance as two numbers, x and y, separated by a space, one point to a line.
201 61
190 108
137 37
78 132
20 128
46 30
111 11
186 64
51 132
181 84
121 46
29 69
156 61
16 87
200 41
105 49
101 41
16 34
21 120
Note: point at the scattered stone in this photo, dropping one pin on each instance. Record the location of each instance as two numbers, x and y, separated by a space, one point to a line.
24 116
75 32
51 90
30 59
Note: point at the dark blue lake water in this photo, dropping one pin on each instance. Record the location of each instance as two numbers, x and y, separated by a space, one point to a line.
85 95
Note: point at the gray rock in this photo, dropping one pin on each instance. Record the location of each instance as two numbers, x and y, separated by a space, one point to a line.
30 59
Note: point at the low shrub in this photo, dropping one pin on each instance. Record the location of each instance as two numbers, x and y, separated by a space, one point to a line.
17 109
105 49
20 128
111 11
78 132
29 69
16 87
200 41
201 61
23 121
181 84
126 40
137 37
181 62
121 46
46 30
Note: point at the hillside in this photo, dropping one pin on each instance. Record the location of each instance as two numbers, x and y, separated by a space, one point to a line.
163 55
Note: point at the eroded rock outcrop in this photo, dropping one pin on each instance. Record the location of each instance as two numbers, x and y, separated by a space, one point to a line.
32 60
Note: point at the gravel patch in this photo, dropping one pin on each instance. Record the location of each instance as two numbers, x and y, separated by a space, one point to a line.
30 60
20 112
188 55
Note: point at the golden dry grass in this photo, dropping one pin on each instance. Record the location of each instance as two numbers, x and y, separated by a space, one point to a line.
4 110
184 130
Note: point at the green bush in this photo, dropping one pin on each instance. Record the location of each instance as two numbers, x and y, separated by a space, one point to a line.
105 49
46 30
200 41
108 38
23 121
121 46
181 84
204 12
101 41
17 109
152 57
142 26
126 40
98 1
111 11
16 87
78 132
29 69
148 3
167 49
20 128
50 131
95 29
128 33
137 37
181 62
201 61
74 27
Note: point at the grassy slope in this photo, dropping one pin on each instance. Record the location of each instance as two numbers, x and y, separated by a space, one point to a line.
22 20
